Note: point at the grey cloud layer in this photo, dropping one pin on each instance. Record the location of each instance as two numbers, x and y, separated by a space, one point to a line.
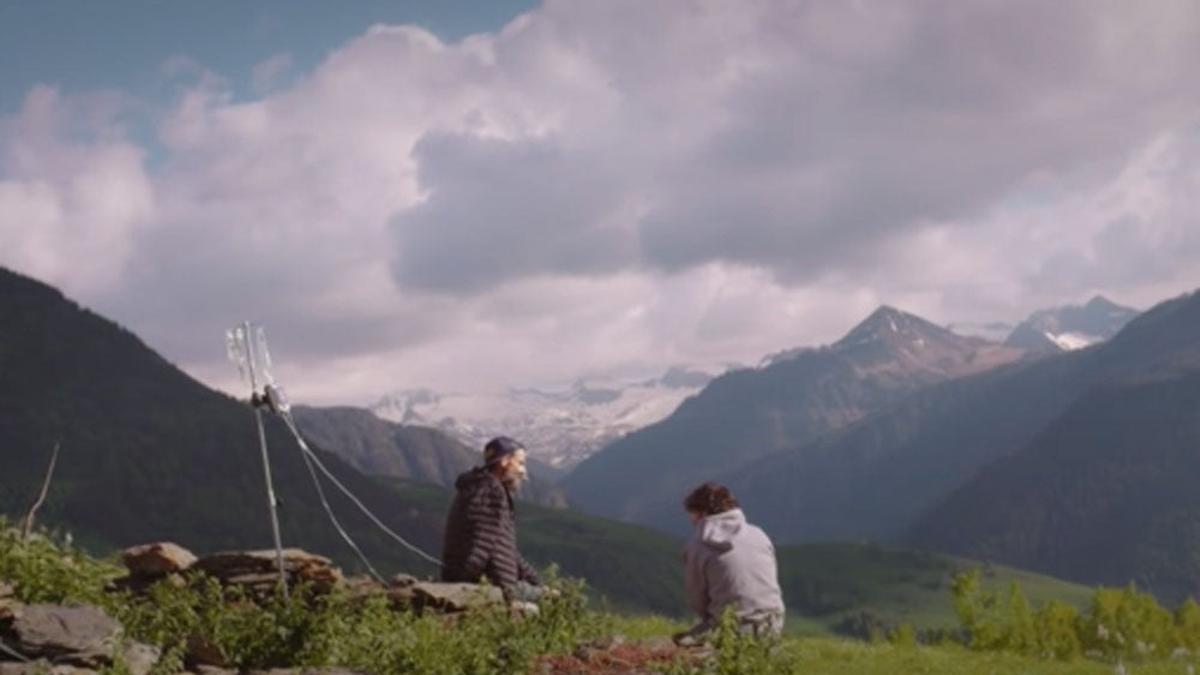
501 210
803 135
623 184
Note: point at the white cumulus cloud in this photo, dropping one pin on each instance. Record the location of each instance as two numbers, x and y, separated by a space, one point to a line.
614 187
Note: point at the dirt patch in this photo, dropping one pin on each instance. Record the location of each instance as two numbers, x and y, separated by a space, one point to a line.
628 658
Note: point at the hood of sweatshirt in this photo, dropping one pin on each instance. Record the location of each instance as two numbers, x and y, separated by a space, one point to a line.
718 531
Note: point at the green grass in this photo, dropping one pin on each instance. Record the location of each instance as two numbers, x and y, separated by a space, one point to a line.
826 583
815 656
368 635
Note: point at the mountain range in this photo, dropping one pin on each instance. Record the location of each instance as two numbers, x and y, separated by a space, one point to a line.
1106 492
1070 327
795 398
1077 463
876 478
378 447
560 426
564 426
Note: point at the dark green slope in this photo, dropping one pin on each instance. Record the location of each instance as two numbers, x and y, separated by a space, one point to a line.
378 447
149 454
875 478
1109 493
829 585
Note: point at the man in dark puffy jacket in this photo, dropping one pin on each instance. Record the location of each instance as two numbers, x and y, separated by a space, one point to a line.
481 533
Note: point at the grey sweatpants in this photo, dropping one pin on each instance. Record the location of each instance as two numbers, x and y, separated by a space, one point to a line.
762 624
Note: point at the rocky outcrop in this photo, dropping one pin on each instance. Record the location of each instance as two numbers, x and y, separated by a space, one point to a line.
157 559
83 635
65 639
75 640
149 564
443 597
255 572
41 667
258 572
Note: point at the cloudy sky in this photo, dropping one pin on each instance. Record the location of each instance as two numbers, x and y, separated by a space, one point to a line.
424 194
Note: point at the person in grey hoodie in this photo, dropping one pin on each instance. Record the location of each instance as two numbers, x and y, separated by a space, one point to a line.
728 563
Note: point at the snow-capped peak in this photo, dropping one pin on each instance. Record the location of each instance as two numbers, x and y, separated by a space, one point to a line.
559 425
1071 327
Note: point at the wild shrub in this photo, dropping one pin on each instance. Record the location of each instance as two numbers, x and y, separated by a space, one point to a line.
307 629
1187 624
1120 624
44 569
310 629
1021 635
1127 623
994 622
1056 626
904 636
980 613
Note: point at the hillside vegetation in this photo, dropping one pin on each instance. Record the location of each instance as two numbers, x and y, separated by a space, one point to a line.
998 633
867 590
1108 491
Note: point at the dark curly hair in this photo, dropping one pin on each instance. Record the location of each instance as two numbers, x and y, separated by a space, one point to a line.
710 499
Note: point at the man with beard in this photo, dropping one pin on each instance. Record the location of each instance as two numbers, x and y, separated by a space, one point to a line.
481 534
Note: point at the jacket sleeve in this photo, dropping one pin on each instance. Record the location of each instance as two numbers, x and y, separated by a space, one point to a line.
527 573
695 581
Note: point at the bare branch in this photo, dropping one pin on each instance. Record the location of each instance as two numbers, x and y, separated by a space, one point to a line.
13 653
45 489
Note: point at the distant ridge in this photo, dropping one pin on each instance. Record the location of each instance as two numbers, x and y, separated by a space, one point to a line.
794 398
381 448
1105 493
1039 464
1070 327
561 426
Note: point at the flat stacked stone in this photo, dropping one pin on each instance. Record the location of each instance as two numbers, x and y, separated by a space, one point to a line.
257 571
72 638
149 564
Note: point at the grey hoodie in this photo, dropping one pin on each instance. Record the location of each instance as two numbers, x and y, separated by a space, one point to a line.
731 562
